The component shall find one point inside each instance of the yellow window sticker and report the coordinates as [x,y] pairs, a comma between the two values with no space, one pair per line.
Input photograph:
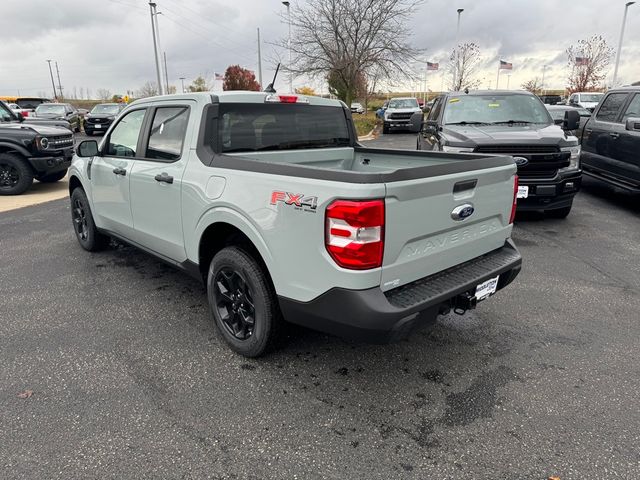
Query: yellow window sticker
[494,105]
[454,100]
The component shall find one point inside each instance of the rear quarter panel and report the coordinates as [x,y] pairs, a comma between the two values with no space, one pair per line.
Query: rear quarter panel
[290,239]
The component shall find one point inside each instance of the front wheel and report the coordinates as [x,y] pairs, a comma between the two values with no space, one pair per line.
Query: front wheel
[243,302]
[53,177]
[15,175]
[559,212]
[84,226]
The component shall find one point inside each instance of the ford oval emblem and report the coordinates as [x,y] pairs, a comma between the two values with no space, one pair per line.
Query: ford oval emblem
[462,211]
[521,161]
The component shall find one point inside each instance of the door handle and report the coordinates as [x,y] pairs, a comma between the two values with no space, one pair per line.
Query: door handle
[164,178]
[614,134]
[119,171]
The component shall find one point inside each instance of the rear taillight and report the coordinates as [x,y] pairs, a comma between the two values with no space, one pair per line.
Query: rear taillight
[285,99]
[515,199]
[355,233]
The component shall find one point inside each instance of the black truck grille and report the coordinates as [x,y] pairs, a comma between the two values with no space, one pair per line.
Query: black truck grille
[400,116]
[543,161]
[63,141]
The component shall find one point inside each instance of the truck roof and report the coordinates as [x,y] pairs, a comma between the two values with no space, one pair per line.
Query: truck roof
[237,96]
[490,92]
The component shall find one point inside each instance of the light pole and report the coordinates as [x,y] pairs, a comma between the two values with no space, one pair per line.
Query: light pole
[152,8]
[544,70]
[182,79]
[624,20]
[508,80]
[455,65]
[288,5]
[53,84]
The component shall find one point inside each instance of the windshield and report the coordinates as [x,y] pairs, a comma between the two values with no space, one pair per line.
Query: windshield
[403,103]
[106,109]
[48,109]
[495,109]
[5,113]
[590,97]
[252,127]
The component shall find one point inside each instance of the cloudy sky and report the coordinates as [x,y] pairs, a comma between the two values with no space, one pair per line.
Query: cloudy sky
[107,43]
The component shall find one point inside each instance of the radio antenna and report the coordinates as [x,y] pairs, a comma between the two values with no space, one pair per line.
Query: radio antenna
[270,88]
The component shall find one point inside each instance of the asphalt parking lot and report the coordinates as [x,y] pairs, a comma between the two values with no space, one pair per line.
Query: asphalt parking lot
[125,377]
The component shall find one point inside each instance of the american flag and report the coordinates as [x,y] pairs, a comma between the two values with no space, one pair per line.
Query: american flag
[582,61]
[505,65]
[219,77]
[432,66]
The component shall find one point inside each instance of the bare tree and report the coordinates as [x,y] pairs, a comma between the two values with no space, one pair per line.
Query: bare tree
[103,94]
[149,89]
[342,40]
[534,85]
[464,61]
[588,63]
[82,92]
[88,93]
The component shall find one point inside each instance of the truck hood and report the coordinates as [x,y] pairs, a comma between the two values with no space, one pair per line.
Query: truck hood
[108,116]
[473,135]
[588,105]
[44,130]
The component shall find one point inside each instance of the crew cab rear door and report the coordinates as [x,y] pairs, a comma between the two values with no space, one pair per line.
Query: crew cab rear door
[156,180]
[424,232]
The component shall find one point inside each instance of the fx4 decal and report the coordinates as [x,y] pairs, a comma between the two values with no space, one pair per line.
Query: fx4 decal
[297,200]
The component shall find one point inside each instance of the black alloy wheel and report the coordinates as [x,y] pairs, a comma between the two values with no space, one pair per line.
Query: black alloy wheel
[9,176]
[79,216]
[234,302]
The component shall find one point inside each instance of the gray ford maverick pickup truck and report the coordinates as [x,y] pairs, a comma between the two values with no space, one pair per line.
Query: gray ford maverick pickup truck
[273,203]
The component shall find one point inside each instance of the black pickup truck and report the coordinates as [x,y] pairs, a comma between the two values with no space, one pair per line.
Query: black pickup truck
[512,123]
[611,140]
[29,151]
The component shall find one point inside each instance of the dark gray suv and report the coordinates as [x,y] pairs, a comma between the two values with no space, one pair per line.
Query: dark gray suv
[611,140]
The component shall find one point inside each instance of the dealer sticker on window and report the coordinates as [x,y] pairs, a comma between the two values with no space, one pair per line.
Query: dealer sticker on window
[523,192]
[487,288]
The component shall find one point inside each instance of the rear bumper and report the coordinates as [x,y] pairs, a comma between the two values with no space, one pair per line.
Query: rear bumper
[550,194]
[379,317]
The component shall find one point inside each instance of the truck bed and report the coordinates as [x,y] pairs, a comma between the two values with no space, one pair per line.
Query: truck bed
[359,164]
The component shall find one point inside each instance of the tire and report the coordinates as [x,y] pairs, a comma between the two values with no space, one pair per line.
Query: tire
[52,177]
[240,293]
[16,175]
[385,128]
[84,226]
[559,212]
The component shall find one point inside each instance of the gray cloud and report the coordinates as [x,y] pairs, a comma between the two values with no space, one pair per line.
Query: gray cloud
[107,44]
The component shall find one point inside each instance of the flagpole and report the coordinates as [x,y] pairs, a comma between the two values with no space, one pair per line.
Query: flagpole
[498,78]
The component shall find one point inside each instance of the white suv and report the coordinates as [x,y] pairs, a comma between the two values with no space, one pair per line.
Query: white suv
[398,113]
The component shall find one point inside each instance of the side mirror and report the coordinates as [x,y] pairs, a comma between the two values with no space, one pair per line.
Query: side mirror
[633,124]
[416,122]
[87,148]
[571,120]
[430,127]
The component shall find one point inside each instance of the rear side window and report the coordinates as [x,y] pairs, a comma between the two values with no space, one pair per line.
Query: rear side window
[253,127]
[633,110]
[611,106]
[123,140]
[167,133]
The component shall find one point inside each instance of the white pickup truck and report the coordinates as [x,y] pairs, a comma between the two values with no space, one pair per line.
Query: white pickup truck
[273,203]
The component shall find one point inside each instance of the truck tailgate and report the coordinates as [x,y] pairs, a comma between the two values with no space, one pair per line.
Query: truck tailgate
[421,235]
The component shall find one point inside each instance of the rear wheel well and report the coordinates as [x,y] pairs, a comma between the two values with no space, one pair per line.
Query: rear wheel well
[220,235]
